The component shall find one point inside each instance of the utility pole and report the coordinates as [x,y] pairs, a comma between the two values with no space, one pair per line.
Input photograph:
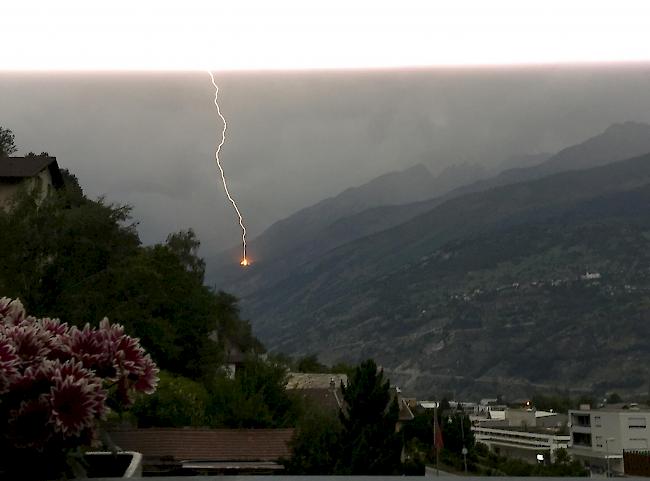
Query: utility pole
[607,455]
[462,435]
[435,435]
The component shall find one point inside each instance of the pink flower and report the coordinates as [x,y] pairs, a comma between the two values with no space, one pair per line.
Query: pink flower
[112,332]
[129,356]
[75,405]
[54,378]
[91,348]
[11,311]
[35,380]
[8,364]
[53,326]
[31,343]
[148,380]
[29,424]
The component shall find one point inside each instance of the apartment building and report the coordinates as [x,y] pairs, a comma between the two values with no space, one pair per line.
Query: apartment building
[528,446]
[599,437]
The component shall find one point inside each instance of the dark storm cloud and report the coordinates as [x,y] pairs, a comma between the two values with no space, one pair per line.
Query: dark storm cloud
[295,138]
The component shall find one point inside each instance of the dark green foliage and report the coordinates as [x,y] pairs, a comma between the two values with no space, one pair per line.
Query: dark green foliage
[457,432]
[177,402]
[614,398]
[256,398]
[362,441]
[310,364]
[80,260]
[420,428]
[561,403]
[185,246]
[489,463]
[551,402]
[315,448]
[7,142]
[369,444]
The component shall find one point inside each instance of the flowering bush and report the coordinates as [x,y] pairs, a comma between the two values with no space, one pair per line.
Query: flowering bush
[57,381]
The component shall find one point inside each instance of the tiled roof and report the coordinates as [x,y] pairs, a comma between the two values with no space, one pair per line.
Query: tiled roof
[304,380]
[194,444]
[327,399]
[24,166]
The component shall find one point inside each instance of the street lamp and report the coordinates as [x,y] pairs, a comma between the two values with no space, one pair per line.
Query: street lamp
[607,455]
[462,434]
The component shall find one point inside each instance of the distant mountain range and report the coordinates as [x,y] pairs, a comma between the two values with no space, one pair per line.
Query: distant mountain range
[395,198]
[479,289]
[326,224]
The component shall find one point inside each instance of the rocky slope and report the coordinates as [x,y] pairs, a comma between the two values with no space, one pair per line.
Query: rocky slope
[485,291]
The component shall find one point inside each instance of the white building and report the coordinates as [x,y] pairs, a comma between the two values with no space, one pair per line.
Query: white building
[524,445]
[600,436]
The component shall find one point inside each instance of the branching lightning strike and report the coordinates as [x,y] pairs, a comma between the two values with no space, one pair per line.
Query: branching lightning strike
[244,260]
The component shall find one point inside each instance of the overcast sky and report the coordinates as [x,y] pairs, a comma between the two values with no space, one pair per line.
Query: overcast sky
[296,138]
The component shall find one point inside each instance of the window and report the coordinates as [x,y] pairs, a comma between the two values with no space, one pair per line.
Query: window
[599,441]
[638,443]
[597,422]
[637,423]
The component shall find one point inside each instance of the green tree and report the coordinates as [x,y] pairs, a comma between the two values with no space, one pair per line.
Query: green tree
[185,246]
[81,260]
[177,402]
[7,142]
[614,398]
[310,364]
[369,443]
[255,398]
[457,432]
[315,448]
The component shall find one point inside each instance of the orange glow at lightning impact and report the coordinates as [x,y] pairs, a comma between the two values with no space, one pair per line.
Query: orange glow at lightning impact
[244,262]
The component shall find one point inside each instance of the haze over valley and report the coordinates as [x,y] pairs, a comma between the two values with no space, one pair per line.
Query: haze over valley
[439,221]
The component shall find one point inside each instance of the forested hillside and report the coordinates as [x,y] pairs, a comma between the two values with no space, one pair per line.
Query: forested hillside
[81,260]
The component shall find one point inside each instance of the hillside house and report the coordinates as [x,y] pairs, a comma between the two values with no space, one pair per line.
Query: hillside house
[38,173]
[322,390]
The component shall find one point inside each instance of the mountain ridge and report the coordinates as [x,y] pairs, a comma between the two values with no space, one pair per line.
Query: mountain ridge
[346,228]
[340,300]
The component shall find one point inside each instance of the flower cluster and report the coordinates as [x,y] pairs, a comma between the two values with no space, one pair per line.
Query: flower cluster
[56,380]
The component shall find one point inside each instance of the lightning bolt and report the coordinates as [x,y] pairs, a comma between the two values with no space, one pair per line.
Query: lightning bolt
[244,260]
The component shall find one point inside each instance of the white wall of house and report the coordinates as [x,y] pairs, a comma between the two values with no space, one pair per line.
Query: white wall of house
[41,181]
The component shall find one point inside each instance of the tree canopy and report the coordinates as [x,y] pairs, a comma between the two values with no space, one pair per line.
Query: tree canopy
[81,260]
[7,142]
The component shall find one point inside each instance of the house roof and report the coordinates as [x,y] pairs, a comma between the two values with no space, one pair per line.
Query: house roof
[326,399]
[405,413]
[22,167]
[196,444]
[308,380]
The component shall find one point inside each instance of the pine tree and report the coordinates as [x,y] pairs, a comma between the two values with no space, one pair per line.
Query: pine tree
[369,443]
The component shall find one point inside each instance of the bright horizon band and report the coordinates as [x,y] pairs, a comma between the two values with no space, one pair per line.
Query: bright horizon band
[175,35]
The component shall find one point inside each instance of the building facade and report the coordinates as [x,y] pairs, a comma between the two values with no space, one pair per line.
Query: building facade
[600,437]
[37,174]
[525,445]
